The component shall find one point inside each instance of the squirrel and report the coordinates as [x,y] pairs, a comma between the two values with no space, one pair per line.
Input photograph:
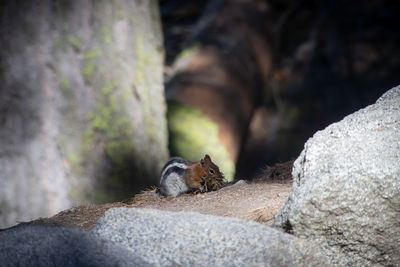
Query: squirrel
[180,176]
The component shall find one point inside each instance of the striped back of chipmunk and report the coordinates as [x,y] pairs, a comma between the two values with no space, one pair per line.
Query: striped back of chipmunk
[171,178]
[176,165]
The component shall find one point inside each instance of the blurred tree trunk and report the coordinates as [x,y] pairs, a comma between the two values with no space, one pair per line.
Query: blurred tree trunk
[217,81]
[82,112]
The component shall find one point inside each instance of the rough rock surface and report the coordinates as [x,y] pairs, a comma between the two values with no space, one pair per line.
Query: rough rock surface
[36,245]
[346,188]
[191,239]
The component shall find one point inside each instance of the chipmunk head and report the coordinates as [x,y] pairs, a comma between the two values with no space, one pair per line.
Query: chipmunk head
[214,179]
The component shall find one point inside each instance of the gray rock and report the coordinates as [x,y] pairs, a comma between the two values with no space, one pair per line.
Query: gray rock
[192,239]
[37,245]
[346,190]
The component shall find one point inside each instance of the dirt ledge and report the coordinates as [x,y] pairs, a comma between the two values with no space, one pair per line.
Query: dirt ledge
[257,200]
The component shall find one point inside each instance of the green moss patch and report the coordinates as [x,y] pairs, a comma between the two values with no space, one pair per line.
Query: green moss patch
[189,52]
[75,42]
[89,63]
[192,135]
[111,127]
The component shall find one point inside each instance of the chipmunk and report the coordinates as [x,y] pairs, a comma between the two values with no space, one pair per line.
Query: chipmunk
[180,176]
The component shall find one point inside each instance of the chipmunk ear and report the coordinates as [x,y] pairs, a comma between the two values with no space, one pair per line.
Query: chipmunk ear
[202,162]
[207,157]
